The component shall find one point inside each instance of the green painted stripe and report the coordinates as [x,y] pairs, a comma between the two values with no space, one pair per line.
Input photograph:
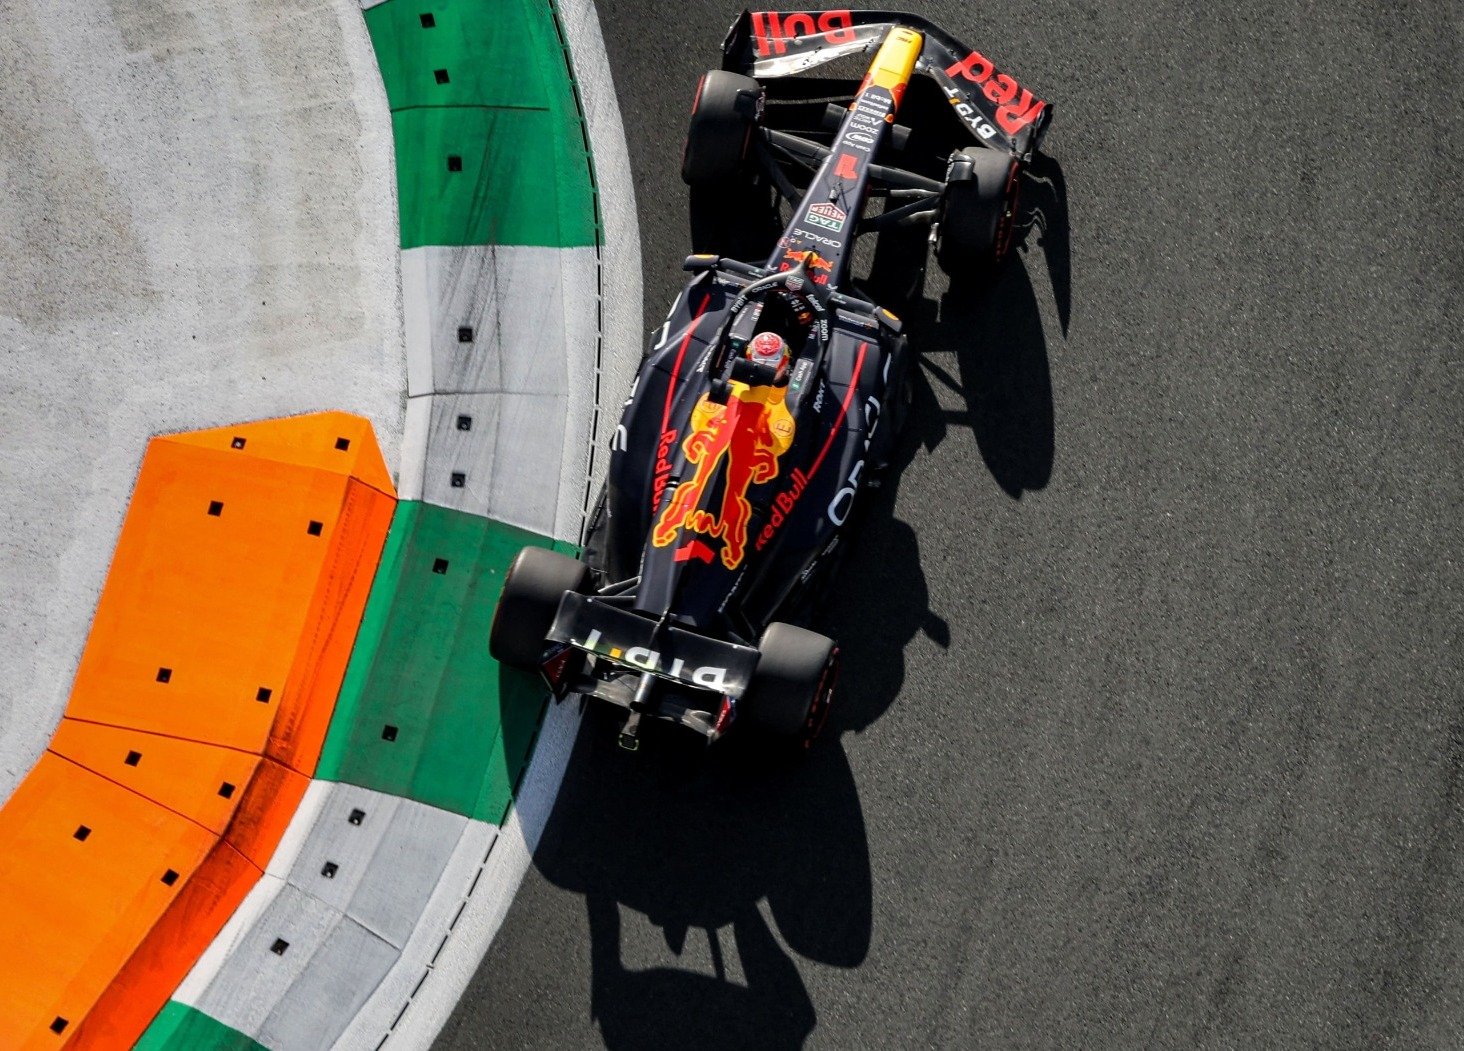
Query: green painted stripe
[463,726]
[506,110]
[179,1027]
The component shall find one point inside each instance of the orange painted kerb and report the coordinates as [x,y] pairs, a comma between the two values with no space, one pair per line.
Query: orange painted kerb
[195,720]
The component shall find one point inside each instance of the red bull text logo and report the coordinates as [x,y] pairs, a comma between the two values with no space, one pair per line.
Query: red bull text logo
[818,267]
[751,432]
[1016,107]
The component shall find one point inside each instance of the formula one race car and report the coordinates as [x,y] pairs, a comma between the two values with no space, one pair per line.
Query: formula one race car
[772,395]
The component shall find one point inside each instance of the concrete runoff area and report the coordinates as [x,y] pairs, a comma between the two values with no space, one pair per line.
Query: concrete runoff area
[199,229]
[1148,731]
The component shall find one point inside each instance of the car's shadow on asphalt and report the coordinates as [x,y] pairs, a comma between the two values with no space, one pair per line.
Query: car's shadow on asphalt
[762,860]
[984,343]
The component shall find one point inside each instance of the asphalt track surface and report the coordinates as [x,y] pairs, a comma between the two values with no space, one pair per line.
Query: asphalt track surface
[1151,730]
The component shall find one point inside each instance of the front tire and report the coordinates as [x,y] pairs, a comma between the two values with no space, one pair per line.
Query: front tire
[722,118]
[532,590]
[793,686]
[978,213]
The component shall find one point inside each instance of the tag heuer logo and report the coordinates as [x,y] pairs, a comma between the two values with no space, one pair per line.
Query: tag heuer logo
[829,216]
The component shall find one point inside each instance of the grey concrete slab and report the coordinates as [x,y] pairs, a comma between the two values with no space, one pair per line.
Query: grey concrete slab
[363,891]
[380,871]
[298,974]
[504,350]
[502,317]
[343,973]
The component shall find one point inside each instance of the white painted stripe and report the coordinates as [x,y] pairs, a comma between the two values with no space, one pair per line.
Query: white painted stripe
[622,334]
[222,949]
[417,313]
[464,877]
[526,307]
[271,988]
[418,426]
[502,340]
[307,814]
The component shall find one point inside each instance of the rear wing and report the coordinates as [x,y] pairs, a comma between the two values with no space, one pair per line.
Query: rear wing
[998,111]
[667,651]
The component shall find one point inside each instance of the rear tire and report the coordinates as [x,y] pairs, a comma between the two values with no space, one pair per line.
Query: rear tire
[532,590]
[722,118]
[793,685]
[978,212]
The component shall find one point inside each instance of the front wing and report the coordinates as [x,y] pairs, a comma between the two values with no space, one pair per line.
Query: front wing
[998,111]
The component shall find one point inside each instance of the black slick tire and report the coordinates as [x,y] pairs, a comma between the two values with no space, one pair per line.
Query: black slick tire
[532,590]
[722,117]
[789,696]
[978,212]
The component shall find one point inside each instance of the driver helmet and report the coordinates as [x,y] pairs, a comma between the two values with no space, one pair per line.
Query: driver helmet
[769,348]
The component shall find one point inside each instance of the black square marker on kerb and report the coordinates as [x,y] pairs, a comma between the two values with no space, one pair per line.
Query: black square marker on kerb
[427,20]
[329,870]
[226,790]
[81,833]
[343,444]
[388,732]
[440,75]
[439,565]
[465,423]
[59,1024]
[215,508]
[465,333]
[454,163]
[133,758]
[357,816]
[237,443]
[164,674]
[170,877]
[459,479]
[314,528]
[279,946]
[262,694]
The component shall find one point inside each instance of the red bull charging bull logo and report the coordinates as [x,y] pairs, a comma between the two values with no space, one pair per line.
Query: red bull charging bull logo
[751,432]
